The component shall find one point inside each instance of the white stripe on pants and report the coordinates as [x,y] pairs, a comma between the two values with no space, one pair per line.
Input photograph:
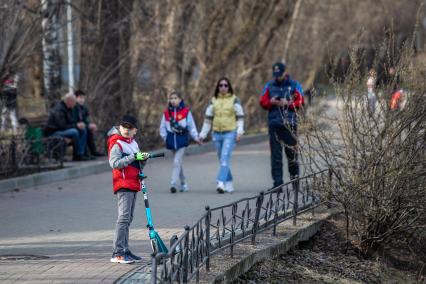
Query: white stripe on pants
[177,172]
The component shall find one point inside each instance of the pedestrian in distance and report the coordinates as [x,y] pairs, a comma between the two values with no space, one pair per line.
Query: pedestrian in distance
[226,116]
[398,99]
[371,93]
[126,161]
[281,98]
[176,127]
[397,94]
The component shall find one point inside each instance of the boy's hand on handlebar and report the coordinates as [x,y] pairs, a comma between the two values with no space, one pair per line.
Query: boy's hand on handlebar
[141,156]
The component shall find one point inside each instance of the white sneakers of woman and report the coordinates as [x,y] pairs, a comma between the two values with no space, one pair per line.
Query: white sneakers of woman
[223,187]
[229,187]
[220,187]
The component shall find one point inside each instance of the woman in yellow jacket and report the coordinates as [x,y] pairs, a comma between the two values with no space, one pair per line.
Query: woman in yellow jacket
[225,114]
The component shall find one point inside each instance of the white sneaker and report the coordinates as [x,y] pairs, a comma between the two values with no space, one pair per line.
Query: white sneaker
[122,259]
[229,187]
[220,188]
[183,187]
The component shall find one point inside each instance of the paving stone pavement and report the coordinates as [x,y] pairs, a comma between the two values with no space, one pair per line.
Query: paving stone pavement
[62,232]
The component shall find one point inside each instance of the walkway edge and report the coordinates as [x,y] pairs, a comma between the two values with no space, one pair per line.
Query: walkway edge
[267,247]
[96,167]
[18,183]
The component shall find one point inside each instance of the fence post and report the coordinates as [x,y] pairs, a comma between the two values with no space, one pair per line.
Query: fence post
[62,152]
[154,269]
[277,209]
[208,237]
[233,222]
[295,184]
[329,188]
[259,203]
[313,198]
[186,257]
[13,154]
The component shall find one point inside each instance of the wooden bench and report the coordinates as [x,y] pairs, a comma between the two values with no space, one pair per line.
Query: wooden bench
[39,121]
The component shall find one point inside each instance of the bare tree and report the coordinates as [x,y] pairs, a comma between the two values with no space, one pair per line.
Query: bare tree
[376,156]
[18,25]
[187,46]
[51,49]
[147,48]
[105,58]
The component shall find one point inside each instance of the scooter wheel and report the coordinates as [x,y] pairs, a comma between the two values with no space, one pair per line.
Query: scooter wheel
[154,246]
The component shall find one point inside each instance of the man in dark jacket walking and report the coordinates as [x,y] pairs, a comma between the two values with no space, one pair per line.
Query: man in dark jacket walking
[282,98]
[61,122]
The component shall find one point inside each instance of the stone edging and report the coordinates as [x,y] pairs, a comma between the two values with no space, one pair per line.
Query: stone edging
[267,247]
[96,167]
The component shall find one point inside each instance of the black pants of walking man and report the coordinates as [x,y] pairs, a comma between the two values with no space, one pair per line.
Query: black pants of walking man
[279,137]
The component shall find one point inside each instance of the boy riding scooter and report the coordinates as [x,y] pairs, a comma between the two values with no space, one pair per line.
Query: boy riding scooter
[124,159]
[127,163]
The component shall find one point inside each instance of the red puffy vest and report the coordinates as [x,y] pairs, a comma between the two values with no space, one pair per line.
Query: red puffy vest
[126,177]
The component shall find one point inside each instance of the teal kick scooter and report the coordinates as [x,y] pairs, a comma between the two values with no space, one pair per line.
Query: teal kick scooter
[157,245]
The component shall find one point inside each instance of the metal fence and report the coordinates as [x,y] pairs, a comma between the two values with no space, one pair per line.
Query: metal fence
[20,155]
[223,227]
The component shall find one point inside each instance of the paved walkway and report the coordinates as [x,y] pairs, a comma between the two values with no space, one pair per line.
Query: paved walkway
[62,232]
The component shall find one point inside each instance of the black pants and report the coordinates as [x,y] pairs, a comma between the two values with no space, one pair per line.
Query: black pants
[91,142]
[280,136]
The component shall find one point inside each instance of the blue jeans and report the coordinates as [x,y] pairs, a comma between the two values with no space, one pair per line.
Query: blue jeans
[225,142]
[79,139]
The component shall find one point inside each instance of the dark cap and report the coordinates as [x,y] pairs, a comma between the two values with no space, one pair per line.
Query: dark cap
[129,120]
[278,69]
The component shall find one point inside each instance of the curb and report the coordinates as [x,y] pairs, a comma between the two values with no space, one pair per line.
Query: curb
[15,184]
[97,167]
[274,247]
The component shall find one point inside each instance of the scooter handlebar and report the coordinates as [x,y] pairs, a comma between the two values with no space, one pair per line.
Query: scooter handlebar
[156,155]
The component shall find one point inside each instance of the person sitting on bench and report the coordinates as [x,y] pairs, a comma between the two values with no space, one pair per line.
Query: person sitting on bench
[82,114]
[61,122]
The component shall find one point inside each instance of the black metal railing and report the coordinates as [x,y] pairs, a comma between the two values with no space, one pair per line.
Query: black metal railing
[21,156]
[225,226]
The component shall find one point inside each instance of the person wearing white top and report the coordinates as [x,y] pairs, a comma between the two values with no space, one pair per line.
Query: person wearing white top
[226,116]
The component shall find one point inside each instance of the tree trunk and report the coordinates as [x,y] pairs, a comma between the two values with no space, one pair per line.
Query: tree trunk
[105,57]
[51,53]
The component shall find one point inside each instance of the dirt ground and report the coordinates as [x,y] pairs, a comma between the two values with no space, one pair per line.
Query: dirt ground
[322,260]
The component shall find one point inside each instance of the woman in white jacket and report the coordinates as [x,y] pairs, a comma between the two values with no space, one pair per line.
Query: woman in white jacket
[226,116]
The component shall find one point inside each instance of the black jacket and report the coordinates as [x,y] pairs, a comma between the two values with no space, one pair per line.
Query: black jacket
[81,113]
[60,118]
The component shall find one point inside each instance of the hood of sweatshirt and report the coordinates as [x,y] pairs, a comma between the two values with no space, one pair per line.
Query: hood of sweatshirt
[114,135]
